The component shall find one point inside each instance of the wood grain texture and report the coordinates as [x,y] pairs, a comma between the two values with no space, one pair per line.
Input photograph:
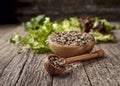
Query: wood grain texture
[20,67]
[33,73]
[4,29]
[99,73]
[75,76]
[4,40]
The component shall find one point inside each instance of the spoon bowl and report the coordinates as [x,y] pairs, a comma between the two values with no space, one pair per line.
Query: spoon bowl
[50,68]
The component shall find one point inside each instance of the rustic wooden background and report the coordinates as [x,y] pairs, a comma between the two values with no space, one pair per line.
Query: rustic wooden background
[14,11]
[58,9]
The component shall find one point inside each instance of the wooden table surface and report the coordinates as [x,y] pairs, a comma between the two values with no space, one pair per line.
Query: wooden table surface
[19,67]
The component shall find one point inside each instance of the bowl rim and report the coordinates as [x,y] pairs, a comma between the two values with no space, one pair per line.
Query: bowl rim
[50,41]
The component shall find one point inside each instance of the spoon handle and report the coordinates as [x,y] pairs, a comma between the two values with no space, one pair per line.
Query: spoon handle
[84,57]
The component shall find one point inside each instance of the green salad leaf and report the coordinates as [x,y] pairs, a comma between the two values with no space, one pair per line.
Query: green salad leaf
[34,23]
[15,38]
[99,37]
[40,27]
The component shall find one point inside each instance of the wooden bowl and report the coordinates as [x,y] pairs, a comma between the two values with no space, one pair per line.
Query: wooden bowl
[68,51]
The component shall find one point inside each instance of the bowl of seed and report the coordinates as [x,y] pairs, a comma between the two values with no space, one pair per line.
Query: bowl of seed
[71,43]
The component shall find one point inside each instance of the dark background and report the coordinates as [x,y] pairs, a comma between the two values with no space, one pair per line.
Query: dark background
[7,11]
[17,11]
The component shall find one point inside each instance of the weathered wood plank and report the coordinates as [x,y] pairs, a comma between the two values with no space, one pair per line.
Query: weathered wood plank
[111,66]
[117,35]
[12,72]
[8,51]
[96,70]
[4,41]
[7,36]
[7,47]
[26,68]
[4,29]
[7,58]
[100,73]
[6,55]
[75,76]
[34,74]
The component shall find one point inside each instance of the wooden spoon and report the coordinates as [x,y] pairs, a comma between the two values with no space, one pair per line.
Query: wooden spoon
[52,69]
